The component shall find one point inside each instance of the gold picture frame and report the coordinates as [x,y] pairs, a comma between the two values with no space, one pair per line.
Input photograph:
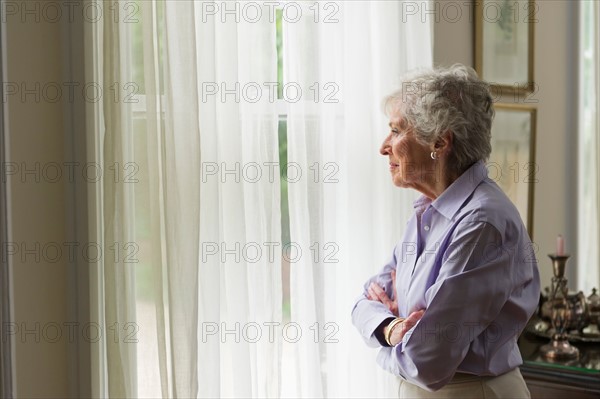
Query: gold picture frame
[512,163]
[504,45]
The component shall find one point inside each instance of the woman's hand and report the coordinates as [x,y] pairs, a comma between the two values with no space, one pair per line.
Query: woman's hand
[401,329]
[376,293]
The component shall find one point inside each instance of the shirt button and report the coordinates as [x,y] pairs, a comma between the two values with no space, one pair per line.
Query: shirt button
[426,228]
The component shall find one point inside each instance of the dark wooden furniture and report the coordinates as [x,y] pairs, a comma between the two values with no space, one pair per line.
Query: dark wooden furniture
[565,380]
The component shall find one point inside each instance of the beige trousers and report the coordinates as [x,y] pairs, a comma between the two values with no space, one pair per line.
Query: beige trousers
[462,386]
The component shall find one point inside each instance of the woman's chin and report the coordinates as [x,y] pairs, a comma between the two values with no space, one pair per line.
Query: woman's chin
[399,182]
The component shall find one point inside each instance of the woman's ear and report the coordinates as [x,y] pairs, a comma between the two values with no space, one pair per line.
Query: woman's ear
[444,142]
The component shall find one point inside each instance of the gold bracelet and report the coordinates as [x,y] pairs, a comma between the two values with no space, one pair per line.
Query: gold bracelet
[390,328]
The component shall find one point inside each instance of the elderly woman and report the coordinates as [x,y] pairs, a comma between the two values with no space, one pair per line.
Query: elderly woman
[448,307]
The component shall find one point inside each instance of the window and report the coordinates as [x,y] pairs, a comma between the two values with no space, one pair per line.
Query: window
[145,283]
[171,132]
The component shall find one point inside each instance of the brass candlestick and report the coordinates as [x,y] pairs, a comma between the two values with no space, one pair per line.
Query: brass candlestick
[559,347]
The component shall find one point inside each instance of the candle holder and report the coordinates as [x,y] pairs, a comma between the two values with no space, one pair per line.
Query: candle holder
[559,347]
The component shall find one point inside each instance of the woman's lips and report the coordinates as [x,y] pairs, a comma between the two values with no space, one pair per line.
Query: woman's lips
[393,165]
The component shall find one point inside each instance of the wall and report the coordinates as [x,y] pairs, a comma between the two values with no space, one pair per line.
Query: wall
[36,129]
[555,72]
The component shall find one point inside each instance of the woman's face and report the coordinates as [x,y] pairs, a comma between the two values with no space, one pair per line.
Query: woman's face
[410,160]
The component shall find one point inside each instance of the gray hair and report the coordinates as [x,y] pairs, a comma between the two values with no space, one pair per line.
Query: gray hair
[434,101]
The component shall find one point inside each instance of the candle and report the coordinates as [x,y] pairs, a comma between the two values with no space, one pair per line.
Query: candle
[560,245]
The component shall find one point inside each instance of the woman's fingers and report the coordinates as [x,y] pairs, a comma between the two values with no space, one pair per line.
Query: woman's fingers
[371,294]
[378,294]
[414,317]
[406,325]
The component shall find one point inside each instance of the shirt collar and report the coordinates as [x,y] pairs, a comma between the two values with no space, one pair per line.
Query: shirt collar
[421,203]
[450,201]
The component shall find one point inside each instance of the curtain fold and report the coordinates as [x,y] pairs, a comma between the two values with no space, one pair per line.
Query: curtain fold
[152,17]
[240,209]
[181,194]
[118,218]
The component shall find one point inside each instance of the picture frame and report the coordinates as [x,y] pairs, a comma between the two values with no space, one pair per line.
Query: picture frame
[504,45]
[512,163]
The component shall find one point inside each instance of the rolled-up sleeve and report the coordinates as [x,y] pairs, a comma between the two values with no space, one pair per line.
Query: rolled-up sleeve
[367,315]
[482,279]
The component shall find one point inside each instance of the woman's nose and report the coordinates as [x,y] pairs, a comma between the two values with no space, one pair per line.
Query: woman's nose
[385,146]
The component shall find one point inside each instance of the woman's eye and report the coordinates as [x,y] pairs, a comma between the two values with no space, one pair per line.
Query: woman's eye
[395,132]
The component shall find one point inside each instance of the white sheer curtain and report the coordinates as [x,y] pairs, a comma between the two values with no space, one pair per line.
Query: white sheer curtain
[238,210]
[194,297]
[348,210]
[189,138]
[589,148]
[116,216]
